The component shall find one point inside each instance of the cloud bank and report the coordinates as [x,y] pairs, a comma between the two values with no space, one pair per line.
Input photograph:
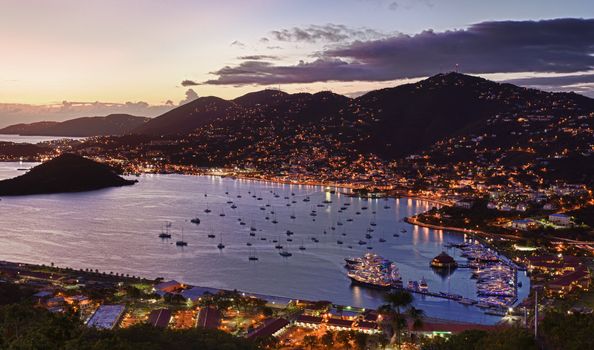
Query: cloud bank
[552,46]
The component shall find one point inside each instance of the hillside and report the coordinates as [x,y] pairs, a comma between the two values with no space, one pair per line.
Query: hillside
[188,117]
[391,123]
[113,124]
[66,173]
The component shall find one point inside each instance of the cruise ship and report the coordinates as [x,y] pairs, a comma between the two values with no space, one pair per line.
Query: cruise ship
[373,271]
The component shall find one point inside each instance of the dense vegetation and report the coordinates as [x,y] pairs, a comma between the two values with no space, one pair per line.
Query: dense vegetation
[26,327]
[66,173]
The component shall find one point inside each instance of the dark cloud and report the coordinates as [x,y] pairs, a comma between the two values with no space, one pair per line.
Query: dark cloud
[324,33]
[563,80]
[582,83]
[188,83]
[191,95]
[258,57]
[237,43]
[559,45]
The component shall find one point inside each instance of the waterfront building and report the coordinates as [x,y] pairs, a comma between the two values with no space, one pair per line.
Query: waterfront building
[443,260]
[524,224]
[106,316]
[159,318]
[309,322]
[560,219]
[273,327]
[209,318]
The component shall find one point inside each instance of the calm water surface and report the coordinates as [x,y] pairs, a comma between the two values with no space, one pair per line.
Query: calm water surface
[33,139]
[116,230]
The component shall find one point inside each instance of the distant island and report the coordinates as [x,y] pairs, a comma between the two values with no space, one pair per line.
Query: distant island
[111,125]
[65,173]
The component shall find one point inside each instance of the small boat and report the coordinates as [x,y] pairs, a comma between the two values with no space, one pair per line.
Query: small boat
[211,236]
[382,240]
[368,236]
[207,210]
[361,242]
[195,221]
[285,254]
[248,244]
[181,243]
[339,242]
[278,246]
[396,235]
[289,232]
[221,245]
[233,206]
[423,287]
[403,230]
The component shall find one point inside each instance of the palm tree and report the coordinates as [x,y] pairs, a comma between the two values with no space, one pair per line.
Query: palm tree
[328,339]
[344,338]
[310,341]
[416,315]
[396,303]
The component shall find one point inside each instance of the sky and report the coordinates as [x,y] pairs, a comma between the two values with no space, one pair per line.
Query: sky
[67,58]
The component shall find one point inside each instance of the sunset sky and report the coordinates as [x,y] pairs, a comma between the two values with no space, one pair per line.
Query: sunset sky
[65,58]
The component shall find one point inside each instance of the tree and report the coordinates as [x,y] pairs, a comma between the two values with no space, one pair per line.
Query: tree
[360,340]
[344,338]
[327,339]
[310,341]
[396,302]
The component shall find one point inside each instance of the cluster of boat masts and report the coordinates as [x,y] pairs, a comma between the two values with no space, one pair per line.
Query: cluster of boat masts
[271,216]
[496,280]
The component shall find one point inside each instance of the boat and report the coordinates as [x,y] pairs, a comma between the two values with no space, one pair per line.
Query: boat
[373,271]
[233,206]
[248,244]
[221,245]
[403,230]
[423,287]
[368,236]
[339,242]
[285,254]
[381,240]
[362,242]
[278,246]
[181,243]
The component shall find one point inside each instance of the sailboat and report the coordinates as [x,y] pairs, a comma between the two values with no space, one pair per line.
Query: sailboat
[253,256]
[301,247]
[181,243]
[207,210]
[221,245]
[165,233]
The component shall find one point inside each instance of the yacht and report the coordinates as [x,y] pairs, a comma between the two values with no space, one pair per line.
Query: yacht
[181,243]
[285,254]
[423,287]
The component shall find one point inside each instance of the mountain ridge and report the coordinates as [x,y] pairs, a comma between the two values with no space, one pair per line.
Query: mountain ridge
[112,124]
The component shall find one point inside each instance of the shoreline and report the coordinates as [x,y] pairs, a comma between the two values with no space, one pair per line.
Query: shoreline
[273,299]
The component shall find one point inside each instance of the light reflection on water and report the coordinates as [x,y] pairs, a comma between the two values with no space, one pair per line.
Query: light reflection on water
[116,230]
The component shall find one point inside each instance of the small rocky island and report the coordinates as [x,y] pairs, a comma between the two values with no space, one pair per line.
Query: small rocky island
[65,173]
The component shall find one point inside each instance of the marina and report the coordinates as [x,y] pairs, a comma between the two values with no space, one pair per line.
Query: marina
[314,269]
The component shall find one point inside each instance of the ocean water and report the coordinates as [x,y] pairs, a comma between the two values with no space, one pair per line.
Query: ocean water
[117,230]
